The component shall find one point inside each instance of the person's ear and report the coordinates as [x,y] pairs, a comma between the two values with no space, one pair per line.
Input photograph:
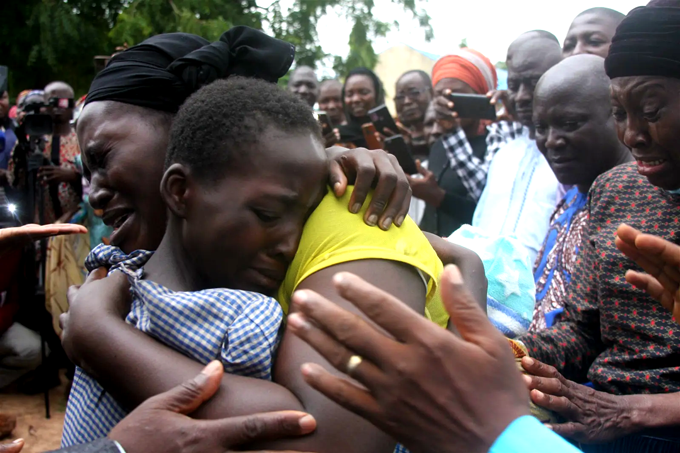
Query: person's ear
[176,189]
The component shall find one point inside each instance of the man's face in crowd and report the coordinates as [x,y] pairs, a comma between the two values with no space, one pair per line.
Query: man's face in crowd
[574,126]
[431,127]
[59,90]
[4,104]
[590,33]
[529,57]
[330,101]
[304,84]
[412,98]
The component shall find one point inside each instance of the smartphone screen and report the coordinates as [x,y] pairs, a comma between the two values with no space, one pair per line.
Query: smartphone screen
[382,119]
[372,141]
[397,146]
[475,106]
[325,122]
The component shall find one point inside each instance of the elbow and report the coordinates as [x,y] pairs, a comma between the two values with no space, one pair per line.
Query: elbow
[472,269]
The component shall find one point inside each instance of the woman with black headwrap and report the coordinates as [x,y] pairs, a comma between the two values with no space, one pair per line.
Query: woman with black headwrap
[613,334]
[361,92]
[123,131]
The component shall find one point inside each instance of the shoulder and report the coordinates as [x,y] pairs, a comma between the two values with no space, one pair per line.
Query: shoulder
[618,178]
[215,306]
[333,235]
[618,186]
[239,300]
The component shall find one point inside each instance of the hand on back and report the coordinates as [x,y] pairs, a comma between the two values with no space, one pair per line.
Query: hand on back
[428,388]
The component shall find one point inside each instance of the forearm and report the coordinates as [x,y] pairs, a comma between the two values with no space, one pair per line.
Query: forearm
[657,411]
[472,270]
[468,262]
[133,367]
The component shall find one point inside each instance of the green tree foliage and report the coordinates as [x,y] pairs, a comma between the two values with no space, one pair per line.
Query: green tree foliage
[45,40]
[140,19]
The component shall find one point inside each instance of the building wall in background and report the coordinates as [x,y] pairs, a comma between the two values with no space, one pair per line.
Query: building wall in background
[394,62]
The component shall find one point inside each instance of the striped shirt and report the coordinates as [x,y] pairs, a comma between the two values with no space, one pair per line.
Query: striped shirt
[239,328]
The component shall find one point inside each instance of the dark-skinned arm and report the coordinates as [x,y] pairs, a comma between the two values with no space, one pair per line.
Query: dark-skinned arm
[148,368]
[468,262]
[339,430]
[133,367]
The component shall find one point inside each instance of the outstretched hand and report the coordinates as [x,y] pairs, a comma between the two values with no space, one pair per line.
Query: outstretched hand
[367,169]
[428,388]
[160,424]
[661,261]
[16,237]
[14,447]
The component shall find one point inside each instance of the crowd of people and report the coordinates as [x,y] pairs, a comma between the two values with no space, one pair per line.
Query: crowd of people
[257,261]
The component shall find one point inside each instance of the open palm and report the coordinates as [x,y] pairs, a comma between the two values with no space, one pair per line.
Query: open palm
[661,261]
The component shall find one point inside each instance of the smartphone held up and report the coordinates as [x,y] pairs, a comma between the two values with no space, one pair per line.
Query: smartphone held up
[473,106]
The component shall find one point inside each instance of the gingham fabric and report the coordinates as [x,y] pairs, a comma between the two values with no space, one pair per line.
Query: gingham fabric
[470,169]
[239,328]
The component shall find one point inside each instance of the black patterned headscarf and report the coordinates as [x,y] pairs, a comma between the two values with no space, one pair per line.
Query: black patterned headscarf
[646,43]
[164,70]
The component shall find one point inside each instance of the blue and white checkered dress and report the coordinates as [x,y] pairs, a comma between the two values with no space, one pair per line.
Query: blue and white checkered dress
[239,328]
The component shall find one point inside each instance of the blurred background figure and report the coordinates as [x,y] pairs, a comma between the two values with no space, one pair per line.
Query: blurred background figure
[304,84]
[362,92]
[413,96]
[330,101]
[592,32]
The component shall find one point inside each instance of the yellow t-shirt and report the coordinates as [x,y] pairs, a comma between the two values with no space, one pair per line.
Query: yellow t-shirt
[333,235]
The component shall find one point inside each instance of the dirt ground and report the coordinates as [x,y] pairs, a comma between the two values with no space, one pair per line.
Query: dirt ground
[40,434]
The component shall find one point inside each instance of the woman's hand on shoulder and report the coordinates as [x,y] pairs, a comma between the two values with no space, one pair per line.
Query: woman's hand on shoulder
[368,169]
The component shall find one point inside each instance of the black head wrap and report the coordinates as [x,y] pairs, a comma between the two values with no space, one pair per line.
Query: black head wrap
[352,132]
[164,70]
[646,43]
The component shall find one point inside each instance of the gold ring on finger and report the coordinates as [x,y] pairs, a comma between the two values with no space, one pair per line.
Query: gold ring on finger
[353,363]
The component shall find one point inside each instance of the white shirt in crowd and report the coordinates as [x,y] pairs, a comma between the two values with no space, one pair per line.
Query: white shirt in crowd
[519,196]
